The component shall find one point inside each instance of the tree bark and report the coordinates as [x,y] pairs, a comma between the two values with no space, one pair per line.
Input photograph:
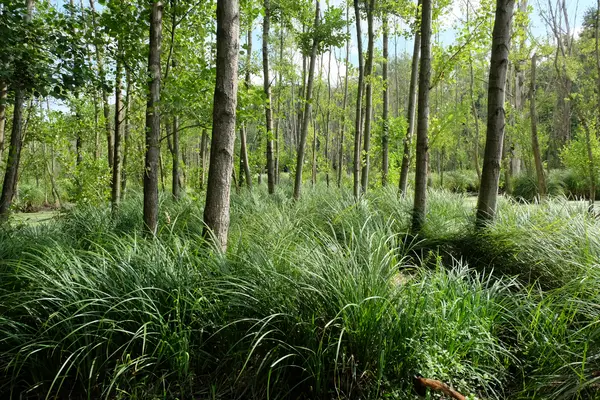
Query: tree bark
[386,100]
[153,121]
[488,191]
[176,184]
[359,92]
[420,200]
[16,138]
[539,168]
[127,129]
[116,168]
[244,165]
[216,210]
[307,109]
[203,151]
[412,102]
[3,100]
[366,164]
[267,89]
[105,108]
[344,104]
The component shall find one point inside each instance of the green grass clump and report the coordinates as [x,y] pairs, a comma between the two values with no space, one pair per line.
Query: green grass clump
[325,298]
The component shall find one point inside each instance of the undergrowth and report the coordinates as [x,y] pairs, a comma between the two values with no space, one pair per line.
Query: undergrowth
[323,298]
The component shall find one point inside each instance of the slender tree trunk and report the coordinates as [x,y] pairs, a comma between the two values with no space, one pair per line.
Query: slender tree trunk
[267,89]
[386,99]
[127,129]
[420,201]
[176,184]
[344,103]
[216,210]
[307,109]
[488,192]
[16,138]
[14,154]
[359,92]
[278,114]
[537,156]
[244,165]
[327,119]
[412,102]
[116,169]
[153,121]
[106,110]
[3,100]
[203,151]
[368,98]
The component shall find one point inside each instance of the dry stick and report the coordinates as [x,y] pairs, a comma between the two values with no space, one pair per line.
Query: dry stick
[421,384]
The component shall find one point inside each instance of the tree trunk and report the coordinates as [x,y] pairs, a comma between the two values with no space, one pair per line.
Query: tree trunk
[267,89]
[153,121]
[127,129]
[386,99]
[359,92]
[14,154]
[3,100]
[369,98]
[327,118]
[488,192]
[412,102]
[106,110]
[216,210]
[344,103]
[539,168]
[307,109]
[116,169]
[203,151]
[176,184]
[244,165]
[420,201]
[16,138]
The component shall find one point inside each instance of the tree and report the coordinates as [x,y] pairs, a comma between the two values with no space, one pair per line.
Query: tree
[153,120]
[267,89]
[386,99]
[412,99]
[359,92]
[307,106]
[16,138]
[535,145]
[368,97]
[216,209]
[420,201]
[490,174]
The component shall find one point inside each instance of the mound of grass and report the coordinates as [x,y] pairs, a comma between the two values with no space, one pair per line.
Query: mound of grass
[320,298]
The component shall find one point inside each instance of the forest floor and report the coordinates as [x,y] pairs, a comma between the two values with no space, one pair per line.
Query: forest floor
[325,298]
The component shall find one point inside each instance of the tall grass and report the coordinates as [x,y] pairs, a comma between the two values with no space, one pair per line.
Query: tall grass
[321,298]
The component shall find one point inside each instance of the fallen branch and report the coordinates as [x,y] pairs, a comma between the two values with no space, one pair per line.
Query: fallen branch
[421,384]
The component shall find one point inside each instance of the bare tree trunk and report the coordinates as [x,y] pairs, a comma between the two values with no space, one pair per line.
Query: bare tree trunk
[3,100]
[267,89]
[488,192]
[153,121]
[307,109]
[369,98]
[386,100]
[359,92]
[216,210]
[16,138]
[539,168]
[344,103]
[176,184]
[412,100]
[327,118]
[203,151]
[116,169]
[106,110]
[127,129]
[278,117]
[420,201]
[244,165]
